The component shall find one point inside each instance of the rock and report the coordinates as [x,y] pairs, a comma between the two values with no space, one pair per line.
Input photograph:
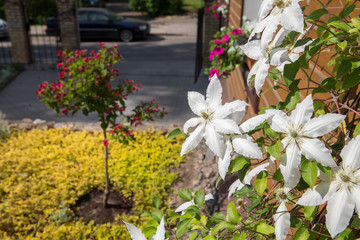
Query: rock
[38,121]
[27,120]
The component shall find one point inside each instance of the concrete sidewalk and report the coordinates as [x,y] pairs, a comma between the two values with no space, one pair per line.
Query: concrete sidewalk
[164,64]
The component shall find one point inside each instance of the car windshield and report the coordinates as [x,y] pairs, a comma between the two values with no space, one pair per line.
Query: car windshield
[115,16]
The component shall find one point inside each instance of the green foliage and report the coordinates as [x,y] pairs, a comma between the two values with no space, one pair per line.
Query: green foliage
[44,173]
[39,10]
[156,7]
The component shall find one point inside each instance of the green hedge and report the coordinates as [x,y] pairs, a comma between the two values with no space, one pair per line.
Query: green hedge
[156,7]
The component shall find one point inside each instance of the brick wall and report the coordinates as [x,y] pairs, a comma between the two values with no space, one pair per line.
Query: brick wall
[18,31]
[69,26]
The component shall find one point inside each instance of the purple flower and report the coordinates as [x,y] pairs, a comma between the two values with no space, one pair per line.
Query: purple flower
[214,71]
[217,42]
[225,38]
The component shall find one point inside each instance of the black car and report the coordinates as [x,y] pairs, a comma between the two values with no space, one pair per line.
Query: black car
[99,23]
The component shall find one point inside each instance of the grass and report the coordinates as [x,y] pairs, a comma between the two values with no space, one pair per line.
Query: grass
[192,5]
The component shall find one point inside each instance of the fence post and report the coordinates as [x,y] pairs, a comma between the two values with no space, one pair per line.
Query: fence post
[69,26]
[18,31]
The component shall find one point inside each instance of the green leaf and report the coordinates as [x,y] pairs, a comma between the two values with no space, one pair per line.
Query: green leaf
[261,182]
[309,171]
[356,131]
[244,191]
[209,237]
[278,176]
[292,99]
[290,71]
[356,223]
[183,227]
[199,198]
[346,235]
[344,68]
[340,25]
[185,194]
[274,150]
[218,180]
[242,172]
[264,228]
[254,204]
[157,215]
[349,10]
[269,132]
[310,212]
[328,83]
[222,225]
[233,214]
[351,79]
[239,236]
[301,234]
[193,235]
[238,163]
[156,202]
[174,133]
[342,44]
[317,14]
[356,22]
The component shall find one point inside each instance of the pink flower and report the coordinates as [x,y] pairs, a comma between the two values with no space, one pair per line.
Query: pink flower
[225,38]
[106,142]
[65,111]
[207,10]
[236,31]
[211,56]
[217,42]
[213,71]
[218,51]
[216,15]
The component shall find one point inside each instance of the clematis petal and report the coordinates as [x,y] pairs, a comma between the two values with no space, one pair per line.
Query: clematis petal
[252,49]
[253,122]
[279,56]
[208,197]
[135,233]
[193,140]
[244,145]
[255,171]
[184,206]
[237,185]
[214,140]
[317,196]
[282,222]
[351,153]
[340,209]
[225,126]
[261,75]
[321,125]
[160,231]
[268,33]
[355,193]
[224,163]
[303,111]
[292,18]
[252,72]
[237,116]
[289,165]
[265,8]
[279,122]
[192,122]
[314,149]
[214,93]
[260,27]
[229,108]
[196,102]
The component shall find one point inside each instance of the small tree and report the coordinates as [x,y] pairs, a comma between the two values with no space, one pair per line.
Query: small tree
[85,85]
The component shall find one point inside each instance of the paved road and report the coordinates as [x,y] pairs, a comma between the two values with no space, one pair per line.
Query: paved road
[164,64]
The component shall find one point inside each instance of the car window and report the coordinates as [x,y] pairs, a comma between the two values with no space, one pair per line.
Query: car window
[94,16]
[82,16]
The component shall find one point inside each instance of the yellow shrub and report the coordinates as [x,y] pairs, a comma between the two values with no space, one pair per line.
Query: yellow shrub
[40,170]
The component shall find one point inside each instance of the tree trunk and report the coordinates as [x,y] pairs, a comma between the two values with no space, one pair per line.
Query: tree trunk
[107,180]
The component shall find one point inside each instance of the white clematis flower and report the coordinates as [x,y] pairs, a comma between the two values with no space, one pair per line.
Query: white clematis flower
[237,185]
[185,205]
[282,215]
[341,191]
[136,234]
[301,134]
[211,122]
[286,13]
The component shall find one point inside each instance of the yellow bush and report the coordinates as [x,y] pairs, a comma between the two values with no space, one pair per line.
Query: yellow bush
[40,170]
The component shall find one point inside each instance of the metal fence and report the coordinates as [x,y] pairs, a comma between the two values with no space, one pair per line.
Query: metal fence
[5,51]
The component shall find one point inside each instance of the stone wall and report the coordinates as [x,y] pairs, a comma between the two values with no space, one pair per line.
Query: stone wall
[18,31]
